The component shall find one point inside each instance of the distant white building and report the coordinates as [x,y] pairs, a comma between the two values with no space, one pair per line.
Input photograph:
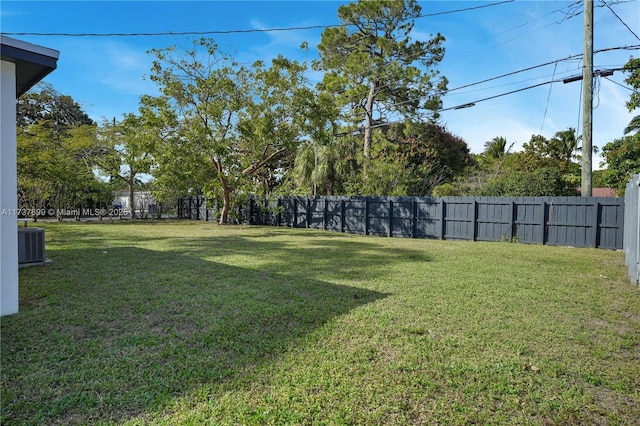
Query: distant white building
[144,205]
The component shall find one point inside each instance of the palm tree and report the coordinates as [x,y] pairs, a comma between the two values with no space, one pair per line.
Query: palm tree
[322,168]
[566,141]
[633,126]
[496,147]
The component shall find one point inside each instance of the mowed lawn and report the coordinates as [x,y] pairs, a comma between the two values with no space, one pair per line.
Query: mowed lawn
[171,323]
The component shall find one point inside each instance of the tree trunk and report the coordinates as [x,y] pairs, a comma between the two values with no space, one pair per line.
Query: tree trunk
[226,203]
[131,199]
[369,121]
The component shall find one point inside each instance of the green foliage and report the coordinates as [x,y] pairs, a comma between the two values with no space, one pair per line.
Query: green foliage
[633,79]
[622,157]
[536,183]
[57,148]
[46,106]
[430,154]
[446,190]
[557,152]
[406,159]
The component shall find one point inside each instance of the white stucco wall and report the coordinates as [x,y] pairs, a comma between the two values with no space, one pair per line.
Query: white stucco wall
[8,191]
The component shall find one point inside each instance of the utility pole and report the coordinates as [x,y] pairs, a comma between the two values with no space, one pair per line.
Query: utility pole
[587,105]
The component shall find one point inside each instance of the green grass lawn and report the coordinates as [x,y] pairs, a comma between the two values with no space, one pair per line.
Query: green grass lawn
[193,323]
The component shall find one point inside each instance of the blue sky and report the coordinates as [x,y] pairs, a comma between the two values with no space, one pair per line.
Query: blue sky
[106,74]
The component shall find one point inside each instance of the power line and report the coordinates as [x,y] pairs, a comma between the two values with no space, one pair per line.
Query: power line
[470,104]
[546,108]
[241,31]
[172,33]
[621,85]
[570,57]
[428,15]
[620,19]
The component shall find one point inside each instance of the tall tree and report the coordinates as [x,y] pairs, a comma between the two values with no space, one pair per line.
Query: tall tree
[128,151]
[232,121]
[375,69]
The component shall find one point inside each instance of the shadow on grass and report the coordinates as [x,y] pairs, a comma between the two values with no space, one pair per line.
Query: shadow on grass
[106,335]
[323,256]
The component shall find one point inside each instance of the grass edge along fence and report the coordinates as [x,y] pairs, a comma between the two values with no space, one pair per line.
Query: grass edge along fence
[570,221]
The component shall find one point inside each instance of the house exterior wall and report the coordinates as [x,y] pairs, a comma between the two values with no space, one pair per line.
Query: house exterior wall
[8,191]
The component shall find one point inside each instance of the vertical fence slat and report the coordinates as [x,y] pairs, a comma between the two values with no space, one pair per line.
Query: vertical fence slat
[414,217]
[543,225]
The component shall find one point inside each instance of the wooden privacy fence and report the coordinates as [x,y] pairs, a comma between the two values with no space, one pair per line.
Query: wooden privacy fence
[571,221]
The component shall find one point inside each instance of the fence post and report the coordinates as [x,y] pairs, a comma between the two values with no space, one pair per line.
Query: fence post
[443,224]
[307,209]
[390,234]
[342,215]
[366,216]
[295,213]
[278,212]
[324,214]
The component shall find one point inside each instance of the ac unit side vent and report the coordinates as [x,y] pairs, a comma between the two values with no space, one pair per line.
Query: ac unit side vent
[30,245]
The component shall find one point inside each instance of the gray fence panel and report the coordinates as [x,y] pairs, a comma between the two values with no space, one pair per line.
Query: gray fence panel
[429,214]
[403,217]
[334,214]
[573,221]
[459,215]
[631,241]
[529,218]
[378,213]
[355,218]
[611,214]
[494,217]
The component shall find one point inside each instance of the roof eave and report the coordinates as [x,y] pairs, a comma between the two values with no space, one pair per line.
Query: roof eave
[33,62]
